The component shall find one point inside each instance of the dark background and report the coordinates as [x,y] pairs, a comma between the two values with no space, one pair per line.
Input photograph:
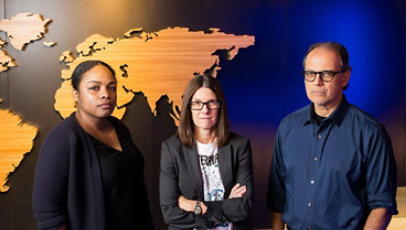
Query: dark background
[262,83]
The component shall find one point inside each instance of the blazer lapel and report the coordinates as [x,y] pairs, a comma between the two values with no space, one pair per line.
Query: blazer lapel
[192,159]
[226,168]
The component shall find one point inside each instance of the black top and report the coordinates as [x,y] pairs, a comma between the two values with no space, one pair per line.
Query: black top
[123,184]
[315,116]
[68,187]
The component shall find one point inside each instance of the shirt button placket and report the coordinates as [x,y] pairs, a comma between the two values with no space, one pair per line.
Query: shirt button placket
[312,181]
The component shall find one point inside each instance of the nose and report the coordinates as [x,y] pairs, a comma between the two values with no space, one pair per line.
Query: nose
[105,93]
[205,109]
[318,80]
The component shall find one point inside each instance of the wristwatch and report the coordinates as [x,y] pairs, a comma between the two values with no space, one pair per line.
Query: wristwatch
[198,209]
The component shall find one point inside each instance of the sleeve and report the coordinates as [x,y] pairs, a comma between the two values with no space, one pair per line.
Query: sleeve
[381,172]
[169,193]
[236,209]
[50,184]
[276,197]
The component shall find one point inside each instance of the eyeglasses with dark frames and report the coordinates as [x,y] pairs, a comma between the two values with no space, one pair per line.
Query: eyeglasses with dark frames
[198,105]
[326,76]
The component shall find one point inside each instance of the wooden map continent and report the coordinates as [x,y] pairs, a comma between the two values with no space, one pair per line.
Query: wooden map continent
[154,64]
[16,139]
[24,28]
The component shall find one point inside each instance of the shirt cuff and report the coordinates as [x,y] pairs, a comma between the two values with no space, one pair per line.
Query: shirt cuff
[383,200]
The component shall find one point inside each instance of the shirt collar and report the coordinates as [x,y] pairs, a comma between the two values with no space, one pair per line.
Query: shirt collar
[336,117]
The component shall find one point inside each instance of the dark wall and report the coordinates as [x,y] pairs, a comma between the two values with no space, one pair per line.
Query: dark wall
[262,83]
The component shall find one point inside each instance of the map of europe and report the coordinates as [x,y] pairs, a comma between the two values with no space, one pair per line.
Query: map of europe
[155,64]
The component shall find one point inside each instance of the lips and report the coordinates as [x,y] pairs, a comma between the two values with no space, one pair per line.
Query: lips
[318,92]
[106,106]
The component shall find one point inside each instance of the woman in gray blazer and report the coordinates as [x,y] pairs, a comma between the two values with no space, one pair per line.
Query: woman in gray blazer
[206,176]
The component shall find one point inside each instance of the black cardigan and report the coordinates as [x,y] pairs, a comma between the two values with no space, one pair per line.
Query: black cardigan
[68,186]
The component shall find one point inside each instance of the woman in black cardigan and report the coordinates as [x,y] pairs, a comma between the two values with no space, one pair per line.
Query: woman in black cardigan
[89,173]
[206,177]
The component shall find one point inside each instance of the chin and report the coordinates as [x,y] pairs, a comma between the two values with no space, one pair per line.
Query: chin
[318,101]
[104,115]
[206,126]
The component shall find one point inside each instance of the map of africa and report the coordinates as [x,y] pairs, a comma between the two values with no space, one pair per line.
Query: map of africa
[154,64]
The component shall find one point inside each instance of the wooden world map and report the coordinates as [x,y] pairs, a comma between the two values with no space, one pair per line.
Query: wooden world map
[154,64]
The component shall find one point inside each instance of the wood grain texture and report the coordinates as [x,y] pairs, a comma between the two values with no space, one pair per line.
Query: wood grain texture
[154,64]
[24,28]
[16,139]
[66,57]
[6,61]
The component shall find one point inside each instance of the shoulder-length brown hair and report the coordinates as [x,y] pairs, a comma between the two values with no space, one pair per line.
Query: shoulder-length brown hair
[186,126]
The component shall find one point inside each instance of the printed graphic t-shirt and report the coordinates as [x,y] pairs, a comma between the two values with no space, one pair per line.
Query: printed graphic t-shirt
[213,187]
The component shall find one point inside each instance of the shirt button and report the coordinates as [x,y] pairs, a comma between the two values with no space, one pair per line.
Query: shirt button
[319,136]
[310,227]
[315,159]
[312,182]
[309,204]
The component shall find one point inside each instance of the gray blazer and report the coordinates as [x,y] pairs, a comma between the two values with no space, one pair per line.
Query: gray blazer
[180,174]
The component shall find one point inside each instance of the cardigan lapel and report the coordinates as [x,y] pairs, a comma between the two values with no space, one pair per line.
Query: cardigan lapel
[193,164]
[226,168]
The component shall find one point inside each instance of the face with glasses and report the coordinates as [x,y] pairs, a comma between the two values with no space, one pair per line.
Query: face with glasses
[205,107]
[324,80]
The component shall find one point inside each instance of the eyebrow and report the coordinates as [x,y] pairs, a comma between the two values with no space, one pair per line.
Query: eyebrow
[98,82]
[212,99]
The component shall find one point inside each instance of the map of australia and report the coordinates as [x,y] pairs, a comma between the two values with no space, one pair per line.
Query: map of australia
[154,64]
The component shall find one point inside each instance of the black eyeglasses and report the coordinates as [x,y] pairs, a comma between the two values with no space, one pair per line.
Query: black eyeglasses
[198,105]
[325,76]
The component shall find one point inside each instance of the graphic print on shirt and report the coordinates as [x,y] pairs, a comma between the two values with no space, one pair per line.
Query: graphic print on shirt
[213,184]
[213,187]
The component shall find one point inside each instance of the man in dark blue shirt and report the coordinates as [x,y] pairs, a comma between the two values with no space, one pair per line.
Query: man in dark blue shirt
[333,165]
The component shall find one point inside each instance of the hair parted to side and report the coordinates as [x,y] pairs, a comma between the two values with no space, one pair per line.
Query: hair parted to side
[186,127]
[83,68]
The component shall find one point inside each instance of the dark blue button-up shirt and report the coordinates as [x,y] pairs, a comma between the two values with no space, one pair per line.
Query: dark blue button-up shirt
[331,175]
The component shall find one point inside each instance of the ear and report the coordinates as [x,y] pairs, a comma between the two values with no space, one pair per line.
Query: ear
[75,95]
[346,78]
